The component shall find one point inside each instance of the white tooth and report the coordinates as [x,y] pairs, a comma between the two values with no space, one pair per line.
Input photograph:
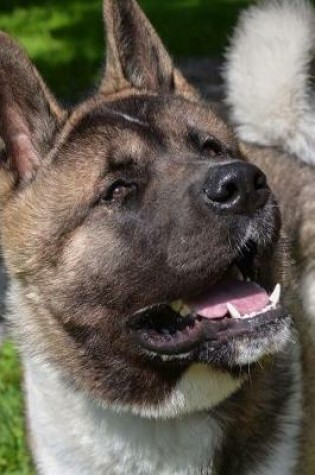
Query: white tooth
[275,296]
[185,311]
[233,311]
[177,306]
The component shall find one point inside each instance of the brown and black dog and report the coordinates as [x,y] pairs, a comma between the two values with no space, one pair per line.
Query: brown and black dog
[146,258]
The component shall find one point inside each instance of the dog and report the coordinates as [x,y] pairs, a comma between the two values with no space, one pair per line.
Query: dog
[146,260]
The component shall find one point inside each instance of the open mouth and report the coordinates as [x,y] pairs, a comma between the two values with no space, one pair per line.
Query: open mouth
[235,308]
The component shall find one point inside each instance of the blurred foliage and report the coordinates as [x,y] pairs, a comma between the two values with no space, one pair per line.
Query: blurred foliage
[14,457]
[66,41]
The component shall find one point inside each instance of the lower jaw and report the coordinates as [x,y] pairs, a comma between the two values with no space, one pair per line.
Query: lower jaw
[228,344]
[238,354]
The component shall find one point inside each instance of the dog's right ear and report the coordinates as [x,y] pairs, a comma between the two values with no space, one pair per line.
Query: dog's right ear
[29,115]
[135,56]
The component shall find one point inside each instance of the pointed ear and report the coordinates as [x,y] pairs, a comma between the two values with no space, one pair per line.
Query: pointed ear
[29,115]
[136,57]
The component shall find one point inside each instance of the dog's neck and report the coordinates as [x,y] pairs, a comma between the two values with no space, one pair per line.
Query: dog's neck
[75,435]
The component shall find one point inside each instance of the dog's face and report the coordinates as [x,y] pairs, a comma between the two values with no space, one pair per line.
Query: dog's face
[139,241]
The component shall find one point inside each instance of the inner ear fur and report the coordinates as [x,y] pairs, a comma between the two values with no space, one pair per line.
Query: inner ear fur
[136,57]
[29,114]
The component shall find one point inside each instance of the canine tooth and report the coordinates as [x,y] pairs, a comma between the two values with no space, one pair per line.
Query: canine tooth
[177,305]
[275,296]
[233,311]
[185,311]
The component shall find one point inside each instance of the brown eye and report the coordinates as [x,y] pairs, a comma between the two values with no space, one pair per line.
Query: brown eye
[207,144]
[212,147]
[119,192]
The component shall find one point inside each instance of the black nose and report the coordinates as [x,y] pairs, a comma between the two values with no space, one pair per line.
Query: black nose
[236,187]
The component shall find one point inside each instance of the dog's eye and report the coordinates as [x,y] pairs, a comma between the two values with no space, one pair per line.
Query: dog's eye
[212,147]
[207,144]
[119,192]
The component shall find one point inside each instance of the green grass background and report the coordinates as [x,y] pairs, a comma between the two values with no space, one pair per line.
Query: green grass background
[65,40]
[14,457]
[65,37]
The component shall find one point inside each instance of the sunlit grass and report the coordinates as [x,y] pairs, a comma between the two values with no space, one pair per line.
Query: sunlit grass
[66,38]
[14,456]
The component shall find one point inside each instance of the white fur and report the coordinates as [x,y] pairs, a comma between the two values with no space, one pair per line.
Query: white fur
[72,434]
[201,388]
[268,76]
[247,352]
[129,118]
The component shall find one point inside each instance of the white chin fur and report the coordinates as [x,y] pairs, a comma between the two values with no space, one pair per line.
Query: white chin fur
[268,77]
[201,388]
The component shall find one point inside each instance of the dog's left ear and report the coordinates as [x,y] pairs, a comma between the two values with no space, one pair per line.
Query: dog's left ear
[136,57]
[29,114]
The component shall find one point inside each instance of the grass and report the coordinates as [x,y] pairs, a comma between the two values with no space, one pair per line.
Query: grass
[14,457]
[66,41]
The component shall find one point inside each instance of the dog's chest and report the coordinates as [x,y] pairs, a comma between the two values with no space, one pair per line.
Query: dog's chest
[74,436]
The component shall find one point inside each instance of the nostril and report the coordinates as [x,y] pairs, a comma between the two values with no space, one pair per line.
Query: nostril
[225,192]
[260,181]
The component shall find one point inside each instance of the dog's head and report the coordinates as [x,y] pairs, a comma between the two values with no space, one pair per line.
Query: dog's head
[142,246]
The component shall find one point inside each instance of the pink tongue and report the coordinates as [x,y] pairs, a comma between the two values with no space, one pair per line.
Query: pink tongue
[247,297]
